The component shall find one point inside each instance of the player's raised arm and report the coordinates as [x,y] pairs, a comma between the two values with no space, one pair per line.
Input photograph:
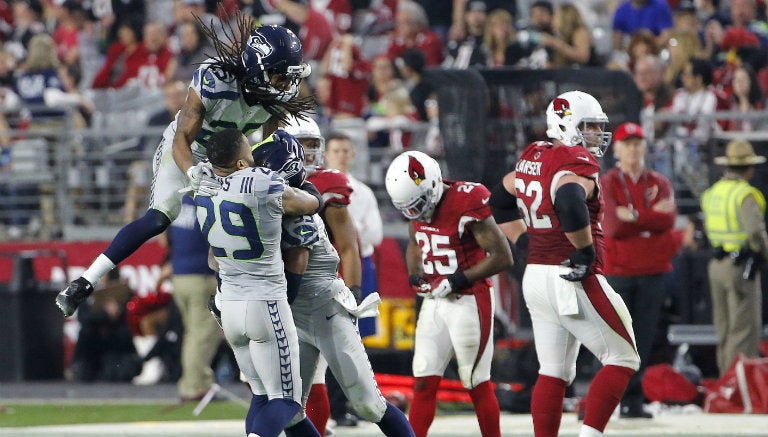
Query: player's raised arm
[190,120]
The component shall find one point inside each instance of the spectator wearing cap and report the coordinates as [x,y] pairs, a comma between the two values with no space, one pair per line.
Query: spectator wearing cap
[734,221]
[684,16]
[639,217]
[468,51]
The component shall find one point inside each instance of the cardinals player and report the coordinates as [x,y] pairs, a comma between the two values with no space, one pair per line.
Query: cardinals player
[336,191]
[454,247]
[554,194]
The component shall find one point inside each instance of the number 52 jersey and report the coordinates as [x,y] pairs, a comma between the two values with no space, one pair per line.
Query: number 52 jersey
[447,245]
[537,173]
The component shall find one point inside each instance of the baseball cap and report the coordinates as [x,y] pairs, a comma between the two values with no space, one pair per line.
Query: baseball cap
[686,6]
[626,130]
[475,5]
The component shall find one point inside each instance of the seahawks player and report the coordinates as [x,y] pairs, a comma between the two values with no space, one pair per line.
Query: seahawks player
[253,80]
[325,312]
[242,223]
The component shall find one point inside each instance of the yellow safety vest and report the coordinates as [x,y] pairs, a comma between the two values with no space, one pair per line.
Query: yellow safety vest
[720,204]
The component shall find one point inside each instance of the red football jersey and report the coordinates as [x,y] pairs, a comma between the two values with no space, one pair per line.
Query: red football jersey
[536,174]
[447,245]
[333,185]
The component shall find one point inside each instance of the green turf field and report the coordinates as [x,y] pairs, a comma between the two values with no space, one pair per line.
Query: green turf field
[34,414]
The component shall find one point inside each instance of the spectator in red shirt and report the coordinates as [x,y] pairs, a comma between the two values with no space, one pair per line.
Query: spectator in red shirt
[130,60]
[120,54]
[639,216]
[350,77]
[412,31]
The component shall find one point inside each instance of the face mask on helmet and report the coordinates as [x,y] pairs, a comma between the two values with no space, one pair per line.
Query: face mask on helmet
[415,185]
[273,62]
[308,133]
[576,118]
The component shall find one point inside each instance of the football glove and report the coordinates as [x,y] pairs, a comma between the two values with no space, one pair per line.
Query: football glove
[580,262]
[202,182]
[419,285]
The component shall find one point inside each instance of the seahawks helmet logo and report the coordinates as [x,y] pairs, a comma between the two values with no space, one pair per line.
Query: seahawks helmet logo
[260,45]
[416,170]
[562,107]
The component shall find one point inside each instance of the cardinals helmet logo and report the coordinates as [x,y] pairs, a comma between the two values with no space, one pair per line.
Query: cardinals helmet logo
[562,107]
[415,170]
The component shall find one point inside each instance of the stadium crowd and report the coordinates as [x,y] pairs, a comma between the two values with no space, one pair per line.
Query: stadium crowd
[687,58]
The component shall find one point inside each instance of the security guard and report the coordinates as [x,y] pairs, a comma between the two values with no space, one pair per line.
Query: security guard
[734,214]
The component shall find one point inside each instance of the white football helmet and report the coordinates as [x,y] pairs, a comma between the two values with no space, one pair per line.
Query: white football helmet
[415,184]
[567,118]
[308,133]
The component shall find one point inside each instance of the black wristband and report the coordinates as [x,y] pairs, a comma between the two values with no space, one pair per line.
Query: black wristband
[585,255]
[522,242]
[415,280]
[458,281]
[310,188]
[357,292]
[294,282]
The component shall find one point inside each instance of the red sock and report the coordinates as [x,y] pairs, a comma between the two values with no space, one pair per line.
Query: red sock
[547,405]
[605,392]
[422,411]
[487,409]
[318,407]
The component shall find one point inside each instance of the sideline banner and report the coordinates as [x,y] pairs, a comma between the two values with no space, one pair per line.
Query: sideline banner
[142,269]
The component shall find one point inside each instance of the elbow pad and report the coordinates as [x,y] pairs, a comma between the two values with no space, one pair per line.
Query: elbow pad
[571,207]
[294,282]
[503,205]
[310,188]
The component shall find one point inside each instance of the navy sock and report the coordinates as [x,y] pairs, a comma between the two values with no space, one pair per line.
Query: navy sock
[305,428]
[136,233]
[257,403]
[273,417]
[394,423]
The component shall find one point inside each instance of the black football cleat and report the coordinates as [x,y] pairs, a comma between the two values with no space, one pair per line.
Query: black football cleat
[71,297]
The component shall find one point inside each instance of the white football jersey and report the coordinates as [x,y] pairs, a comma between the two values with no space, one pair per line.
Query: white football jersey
[242,223]
[224,106]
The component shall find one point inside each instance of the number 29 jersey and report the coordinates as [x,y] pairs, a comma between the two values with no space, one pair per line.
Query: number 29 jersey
[446,242]
[243,225]
[537,173]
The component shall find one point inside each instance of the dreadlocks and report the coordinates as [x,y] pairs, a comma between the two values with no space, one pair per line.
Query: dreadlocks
[229,47]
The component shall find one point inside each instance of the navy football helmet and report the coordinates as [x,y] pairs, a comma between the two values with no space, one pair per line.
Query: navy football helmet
[282,153]
[273,62]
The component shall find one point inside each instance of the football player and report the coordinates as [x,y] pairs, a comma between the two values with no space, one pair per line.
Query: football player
[325,310]
[253,81]
[553,197]
[243,224]
[454,247]
[336,191]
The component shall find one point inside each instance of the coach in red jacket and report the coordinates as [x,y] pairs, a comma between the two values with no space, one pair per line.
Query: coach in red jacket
[639,217]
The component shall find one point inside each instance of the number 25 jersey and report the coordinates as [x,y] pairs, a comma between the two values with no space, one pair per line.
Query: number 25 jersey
[447,245]
[537,173]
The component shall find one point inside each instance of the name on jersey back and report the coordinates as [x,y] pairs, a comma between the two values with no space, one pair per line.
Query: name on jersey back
[528,167]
